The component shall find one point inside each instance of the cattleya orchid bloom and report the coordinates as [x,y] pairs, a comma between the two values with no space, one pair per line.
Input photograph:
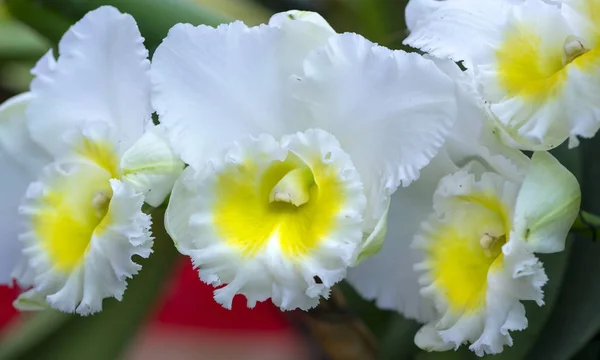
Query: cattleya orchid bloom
[472,225]
[536,63]
[296,137]
[84,141]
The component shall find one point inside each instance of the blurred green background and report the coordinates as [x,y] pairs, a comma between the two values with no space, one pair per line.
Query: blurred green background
[565,328]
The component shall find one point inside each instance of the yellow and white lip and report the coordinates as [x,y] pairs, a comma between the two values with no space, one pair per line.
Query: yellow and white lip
[272,219]
[537,64]
[476,270]
[84,225]
[543,70]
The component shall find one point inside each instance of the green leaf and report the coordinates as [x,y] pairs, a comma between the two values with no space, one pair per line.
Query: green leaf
[381,21]
[44,21]
[54,335]
[249,12]
[396,333]
[398,342]
[377,320]
[590,352]
[154,17]
[18,42]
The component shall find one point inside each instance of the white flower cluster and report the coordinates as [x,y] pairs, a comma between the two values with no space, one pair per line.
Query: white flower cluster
[296,157]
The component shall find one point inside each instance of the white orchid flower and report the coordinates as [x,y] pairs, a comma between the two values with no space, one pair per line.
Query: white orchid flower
[295,138]
[471,225]
[536,62]
[85,134]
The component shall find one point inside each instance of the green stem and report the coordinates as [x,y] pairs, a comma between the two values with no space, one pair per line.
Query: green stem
[586,223]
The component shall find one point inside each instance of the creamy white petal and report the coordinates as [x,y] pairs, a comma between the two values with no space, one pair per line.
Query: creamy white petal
[212,218]
[15,139]
[20,160]
[416,10]
[582,16]
[547,205]
[303,32]
[390,110]
[475,135]
[101,74]
[13,184]
[212,86]
[72,271]
[150,167]
[372,242]
[429,339]
[294,16]
[461,30]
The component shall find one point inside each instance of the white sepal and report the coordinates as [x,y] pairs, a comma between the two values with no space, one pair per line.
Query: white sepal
[150,167]
[547,205]
[21,160]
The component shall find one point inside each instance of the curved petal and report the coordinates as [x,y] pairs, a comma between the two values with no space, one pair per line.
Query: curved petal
[212,86]
[150,167]
[20,160]
[101,75]
[417,10]
[547,205]
[461,30]
[13,184]
[305,30]
[390,110]
[388,277]
[15,139]
[475,135]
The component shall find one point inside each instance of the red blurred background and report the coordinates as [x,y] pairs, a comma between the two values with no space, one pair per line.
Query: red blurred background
[189,324]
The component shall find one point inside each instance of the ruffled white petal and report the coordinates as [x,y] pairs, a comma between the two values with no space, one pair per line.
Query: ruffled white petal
[20,161]
[107,262]
[515,276]
[390,110]
[521,278]
[212,86]
[150,167]
[547,205]
[101,75]
[268,271]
